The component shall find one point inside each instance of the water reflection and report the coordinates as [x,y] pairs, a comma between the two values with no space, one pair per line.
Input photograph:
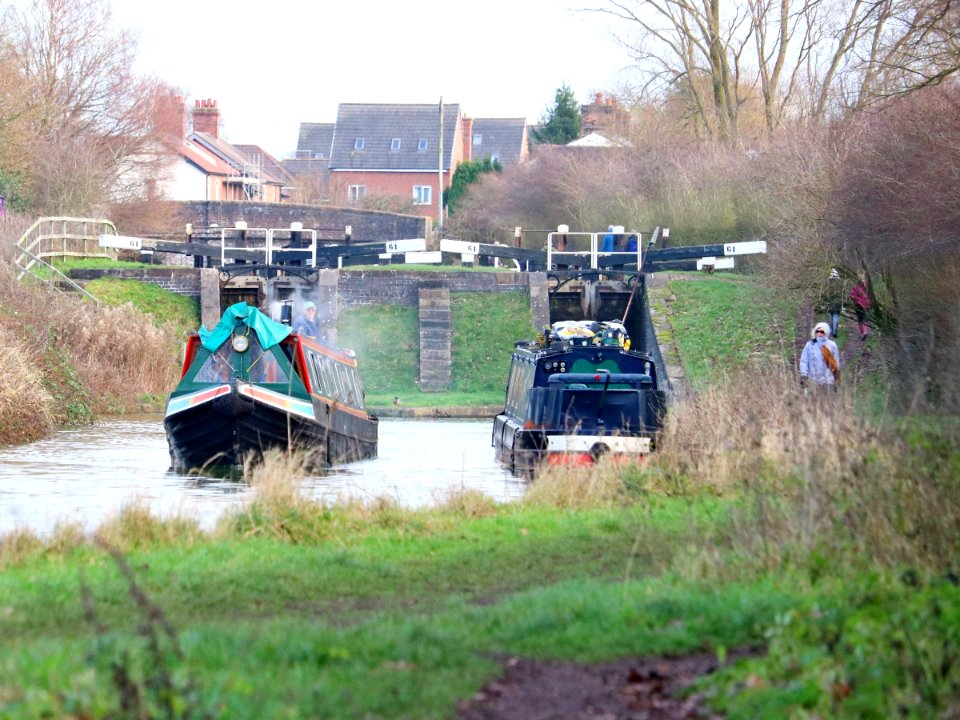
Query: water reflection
[87,474]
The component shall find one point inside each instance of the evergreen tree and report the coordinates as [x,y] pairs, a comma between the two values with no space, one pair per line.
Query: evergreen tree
[466,174]
[561,123]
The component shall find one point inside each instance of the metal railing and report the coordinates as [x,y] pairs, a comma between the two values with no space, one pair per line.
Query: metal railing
[62,237]
[586,248]
[54,278]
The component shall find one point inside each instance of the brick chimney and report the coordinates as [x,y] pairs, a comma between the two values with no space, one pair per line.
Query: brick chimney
[206,117]
[467,139]
[171,116]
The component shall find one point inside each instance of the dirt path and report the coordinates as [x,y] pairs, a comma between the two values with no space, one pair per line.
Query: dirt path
[632,689]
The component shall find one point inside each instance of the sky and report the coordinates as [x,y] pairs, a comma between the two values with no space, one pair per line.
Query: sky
[273,64]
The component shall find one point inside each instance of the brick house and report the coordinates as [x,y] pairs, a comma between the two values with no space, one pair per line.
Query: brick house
[257,174]
[392,150]
[504,140]
[384,150]
[203,166]
[606,116]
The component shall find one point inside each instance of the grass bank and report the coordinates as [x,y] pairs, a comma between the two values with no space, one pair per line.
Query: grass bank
[296,608]
[386,340]
[72,361]
[768,518]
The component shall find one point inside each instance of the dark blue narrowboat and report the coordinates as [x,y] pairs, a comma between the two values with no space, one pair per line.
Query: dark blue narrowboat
[578,393]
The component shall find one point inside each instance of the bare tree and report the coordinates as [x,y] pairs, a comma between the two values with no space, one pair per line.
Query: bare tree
[80,93]
[802,58]
[691,49]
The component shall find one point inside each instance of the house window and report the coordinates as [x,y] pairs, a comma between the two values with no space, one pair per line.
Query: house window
[495,158]
[318,155]
[477,139]
[356,192]
[395,144]
[358,144]
[423,144]
[422,194]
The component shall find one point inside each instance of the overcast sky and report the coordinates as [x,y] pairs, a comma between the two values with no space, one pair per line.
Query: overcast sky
[272,64]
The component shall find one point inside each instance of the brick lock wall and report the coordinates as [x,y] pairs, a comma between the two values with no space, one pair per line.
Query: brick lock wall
[367,225]
[182,281]
[387,287]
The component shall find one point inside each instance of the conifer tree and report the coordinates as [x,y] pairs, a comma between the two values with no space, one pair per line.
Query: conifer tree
[561,123]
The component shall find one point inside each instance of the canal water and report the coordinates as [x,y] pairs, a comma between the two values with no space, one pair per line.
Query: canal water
[88,474]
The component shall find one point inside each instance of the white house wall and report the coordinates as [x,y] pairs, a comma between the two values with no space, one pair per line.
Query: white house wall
[187,182]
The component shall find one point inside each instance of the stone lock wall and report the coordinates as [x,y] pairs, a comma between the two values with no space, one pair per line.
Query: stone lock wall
[182,281]
[329,222]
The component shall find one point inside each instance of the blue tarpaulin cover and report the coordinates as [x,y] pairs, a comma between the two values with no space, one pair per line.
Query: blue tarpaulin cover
[269,332]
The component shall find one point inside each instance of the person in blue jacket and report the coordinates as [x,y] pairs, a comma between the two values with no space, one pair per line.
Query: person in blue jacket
[606,245]
[306,324]
[820,359]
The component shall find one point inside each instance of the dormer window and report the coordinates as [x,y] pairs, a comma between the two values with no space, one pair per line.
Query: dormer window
[395,144]
[423,144]
[477,139]
[358,144]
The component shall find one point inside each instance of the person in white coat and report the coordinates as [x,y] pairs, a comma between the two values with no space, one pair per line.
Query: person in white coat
[820,359]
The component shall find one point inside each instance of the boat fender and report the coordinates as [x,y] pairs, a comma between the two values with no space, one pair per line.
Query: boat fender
[598,450]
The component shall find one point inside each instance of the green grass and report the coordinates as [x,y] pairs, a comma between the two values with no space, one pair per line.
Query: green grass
[96,263]
[723,321]
[384,621]
[387,343]
[881,647]
[398,614]
[386,340]
[485,327]
[398,665]
[179,311]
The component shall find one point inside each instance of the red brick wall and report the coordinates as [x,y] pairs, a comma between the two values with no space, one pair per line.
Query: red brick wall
[380,184]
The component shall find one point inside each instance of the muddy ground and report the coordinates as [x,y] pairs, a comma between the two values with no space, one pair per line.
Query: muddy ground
[632,689]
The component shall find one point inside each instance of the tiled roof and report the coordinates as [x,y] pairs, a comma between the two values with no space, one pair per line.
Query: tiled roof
[315,141]
[305,166]
[234,157]
[500,137]
[203,159]
[391,136]
[268,164]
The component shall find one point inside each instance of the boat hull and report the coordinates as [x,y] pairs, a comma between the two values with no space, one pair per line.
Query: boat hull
[524,450]
[232,427]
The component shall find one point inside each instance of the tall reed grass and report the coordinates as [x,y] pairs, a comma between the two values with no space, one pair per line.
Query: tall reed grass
[67,360]
[816,480]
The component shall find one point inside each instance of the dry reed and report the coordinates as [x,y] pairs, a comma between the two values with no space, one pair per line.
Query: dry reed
[103,358]
[136,527]
[279,508]
[573,488]
[818,479]
[25,404]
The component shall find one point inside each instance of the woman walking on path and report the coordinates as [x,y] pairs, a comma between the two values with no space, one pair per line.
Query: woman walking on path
[820,359]
[861,303]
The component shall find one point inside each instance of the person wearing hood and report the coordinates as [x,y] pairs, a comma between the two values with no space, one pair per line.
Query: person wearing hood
[306,324]
[606,245]
[820,359]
